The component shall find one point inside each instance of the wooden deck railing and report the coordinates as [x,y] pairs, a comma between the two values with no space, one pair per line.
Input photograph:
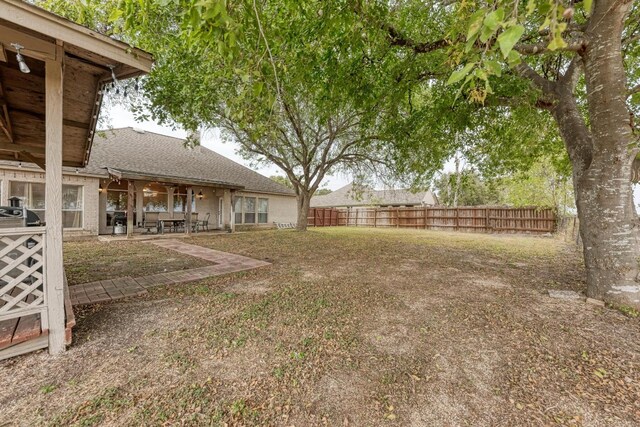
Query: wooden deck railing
[24,310]
[22,290]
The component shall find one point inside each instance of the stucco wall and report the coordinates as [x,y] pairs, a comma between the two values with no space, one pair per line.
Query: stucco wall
[281,209]
[89,193]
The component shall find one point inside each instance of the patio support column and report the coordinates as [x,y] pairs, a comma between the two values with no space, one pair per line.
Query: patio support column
[187,219]
[140,201]
[102,207]
[54,272]
[131,194]
[227,209]
[170,192]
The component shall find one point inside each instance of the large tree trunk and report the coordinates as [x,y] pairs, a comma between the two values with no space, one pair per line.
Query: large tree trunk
[602,161]
[304,202]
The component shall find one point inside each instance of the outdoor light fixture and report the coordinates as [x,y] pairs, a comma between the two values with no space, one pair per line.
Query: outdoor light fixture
[113,74]
[100,188]
[23,65]
[200,195]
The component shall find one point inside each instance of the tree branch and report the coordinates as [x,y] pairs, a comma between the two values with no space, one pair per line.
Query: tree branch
[398,39]
[540,48]
[548,87]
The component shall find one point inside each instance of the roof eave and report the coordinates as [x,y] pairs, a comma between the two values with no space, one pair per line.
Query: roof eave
[142,176]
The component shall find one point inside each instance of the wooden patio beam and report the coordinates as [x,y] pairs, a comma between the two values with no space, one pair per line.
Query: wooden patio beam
[130,197]
[54,270]
[187,219]
[21,148]
[30,158]
[5,121]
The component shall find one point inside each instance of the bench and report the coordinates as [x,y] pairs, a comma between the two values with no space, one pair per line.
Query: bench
[284,225]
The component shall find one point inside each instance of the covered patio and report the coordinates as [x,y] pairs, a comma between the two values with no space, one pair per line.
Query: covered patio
[52,76]
[132,203]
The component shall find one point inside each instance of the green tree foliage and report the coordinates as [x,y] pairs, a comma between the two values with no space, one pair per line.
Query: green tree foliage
[283,180]
[323,191]
[465,188]
[541,185]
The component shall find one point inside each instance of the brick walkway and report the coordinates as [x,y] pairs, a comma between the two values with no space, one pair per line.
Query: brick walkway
[122,287]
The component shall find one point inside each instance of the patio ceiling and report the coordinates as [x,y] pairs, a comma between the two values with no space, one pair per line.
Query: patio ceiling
[87,59]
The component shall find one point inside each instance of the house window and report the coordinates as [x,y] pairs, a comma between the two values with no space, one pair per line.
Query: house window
[32,195]
[263,211]
[180,200]
[72,206]
[245,210]
[249,210]
[156,198]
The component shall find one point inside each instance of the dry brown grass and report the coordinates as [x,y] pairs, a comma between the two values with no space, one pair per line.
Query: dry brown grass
[347,327]
[90,260]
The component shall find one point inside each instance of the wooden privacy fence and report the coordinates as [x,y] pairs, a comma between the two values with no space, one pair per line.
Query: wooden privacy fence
[488,219]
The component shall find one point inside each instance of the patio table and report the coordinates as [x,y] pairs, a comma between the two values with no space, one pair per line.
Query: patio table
[174,222]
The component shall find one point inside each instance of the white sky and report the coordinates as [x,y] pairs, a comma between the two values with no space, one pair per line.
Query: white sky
[120,117]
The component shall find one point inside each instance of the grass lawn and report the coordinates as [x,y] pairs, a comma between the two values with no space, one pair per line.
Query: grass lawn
[88,261]
[352,327]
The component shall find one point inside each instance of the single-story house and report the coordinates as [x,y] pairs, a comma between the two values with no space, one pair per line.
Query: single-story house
[353,196]
[162,171]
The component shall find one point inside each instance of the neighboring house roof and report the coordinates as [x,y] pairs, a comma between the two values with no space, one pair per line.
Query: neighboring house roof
[352,196]
[138,154]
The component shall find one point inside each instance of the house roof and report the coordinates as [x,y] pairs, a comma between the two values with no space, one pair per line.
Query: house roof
[146,155]
[88,57]
[350,195]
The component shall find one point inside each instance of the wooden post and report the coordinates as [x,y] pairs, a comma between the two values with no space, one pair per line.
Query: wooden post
[488,219]
[102,207]
[426,214]
[54,269]
[131,194]
[457,221]
[375,217]
[227,206]
[170,192]
[139,201]
[187,219]
[232,213]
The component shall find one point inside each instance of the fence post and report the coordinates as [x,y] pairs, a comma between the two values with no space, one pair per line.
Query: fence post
[487,219]
[375,217]
[457,221]
[426,213]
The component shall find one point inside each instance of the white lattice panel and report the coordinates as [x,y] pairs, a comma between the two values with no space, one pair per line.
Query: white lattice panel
[21,274]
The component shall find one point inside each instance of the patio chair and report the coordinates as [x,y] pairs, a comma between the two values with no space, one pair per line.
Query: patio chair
[163,216]
[194,221]
[179,216]
[150,221]
[204,224]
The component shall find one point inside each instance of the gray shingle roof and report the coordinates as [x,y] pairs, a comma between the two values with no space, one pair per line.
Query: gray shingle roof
[152,154]
[350,196]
